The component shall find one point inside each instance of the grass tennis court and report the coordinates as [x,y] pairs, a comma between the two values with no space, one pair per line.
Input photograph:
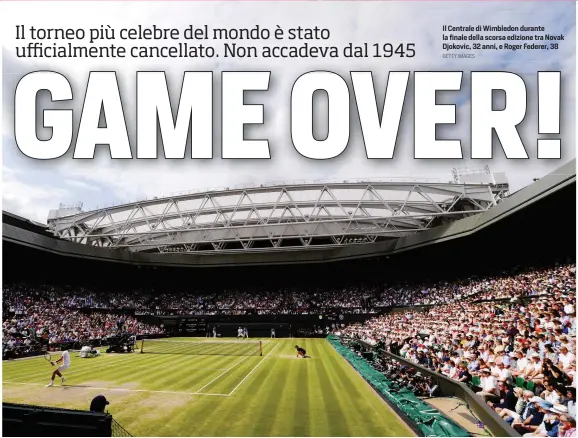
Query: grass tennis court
[275,394]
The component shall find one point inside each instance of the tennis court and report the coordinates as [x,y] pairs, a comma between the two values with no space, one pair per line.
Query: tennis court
[207,388]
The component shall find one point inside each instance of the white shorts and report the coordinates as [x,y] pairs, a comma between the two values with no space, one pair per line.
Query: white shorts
[63,367]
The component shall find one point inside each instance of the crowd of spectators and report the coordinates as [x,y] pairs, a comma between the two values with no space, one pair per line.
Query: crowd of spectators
[517,354]
[34,319]
[59,314]
[354,298]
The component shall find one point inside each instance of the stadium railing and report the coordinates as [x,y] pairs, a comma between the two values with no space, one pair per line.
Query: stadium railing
[451,388]
[117,430]
[419,416]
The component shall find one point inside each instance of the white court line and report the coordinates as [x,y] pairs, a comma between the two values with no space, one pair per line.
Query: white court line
[232,341]
[224,372]
[256,366]
[118,389]
[116,354]
[128,364]
[77,370]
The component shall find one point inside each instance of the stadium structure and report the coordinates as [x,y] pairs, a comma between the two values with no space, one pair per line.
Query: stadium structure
[316,234]
[269,217]
[303,223]
[314,215]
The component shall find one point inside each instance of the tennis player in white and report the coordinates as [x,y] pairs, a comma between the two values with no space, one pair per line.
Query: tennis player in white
[64,360]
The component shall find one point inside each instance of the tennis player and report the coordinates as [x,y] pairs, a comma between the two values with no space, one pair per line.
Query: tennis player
[300,351]
[64,362]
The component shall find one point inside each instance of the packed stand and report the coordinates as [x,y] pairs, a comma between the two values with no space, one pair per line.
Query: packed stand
[39,319]
[348,299]
[519,355]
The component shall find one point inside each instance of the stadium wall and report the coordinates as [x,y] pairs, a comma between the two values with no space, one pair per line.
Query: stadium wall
[257,325]
[27,420]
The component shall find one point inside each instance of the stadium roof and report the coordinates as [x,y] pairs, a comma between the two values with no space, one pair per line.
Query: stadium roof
[22,222]
[281,216]
[555,192]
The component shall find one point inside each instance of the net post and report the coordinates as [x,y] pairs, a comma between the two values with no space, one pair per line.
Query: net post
[260,348]
[142,346]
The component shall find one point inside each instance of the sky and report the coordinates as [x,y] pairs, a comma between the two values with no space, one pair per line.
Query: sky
[32,187]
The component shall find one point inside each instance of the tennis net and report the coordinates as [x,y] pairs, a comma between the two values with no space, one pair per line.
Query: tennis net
[222,348]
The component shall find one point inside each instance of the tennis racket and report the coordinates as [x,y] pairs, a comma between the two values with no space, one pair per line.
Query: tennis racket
[48,357]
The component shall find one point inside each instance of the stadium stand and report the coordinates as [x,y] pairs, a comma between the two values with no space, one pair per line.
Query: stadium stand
[518,354]
[67,314]
[352,298]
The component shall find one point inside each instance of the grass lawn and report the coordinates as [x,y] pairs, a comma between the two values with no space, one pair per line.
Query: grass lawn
[216,395]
